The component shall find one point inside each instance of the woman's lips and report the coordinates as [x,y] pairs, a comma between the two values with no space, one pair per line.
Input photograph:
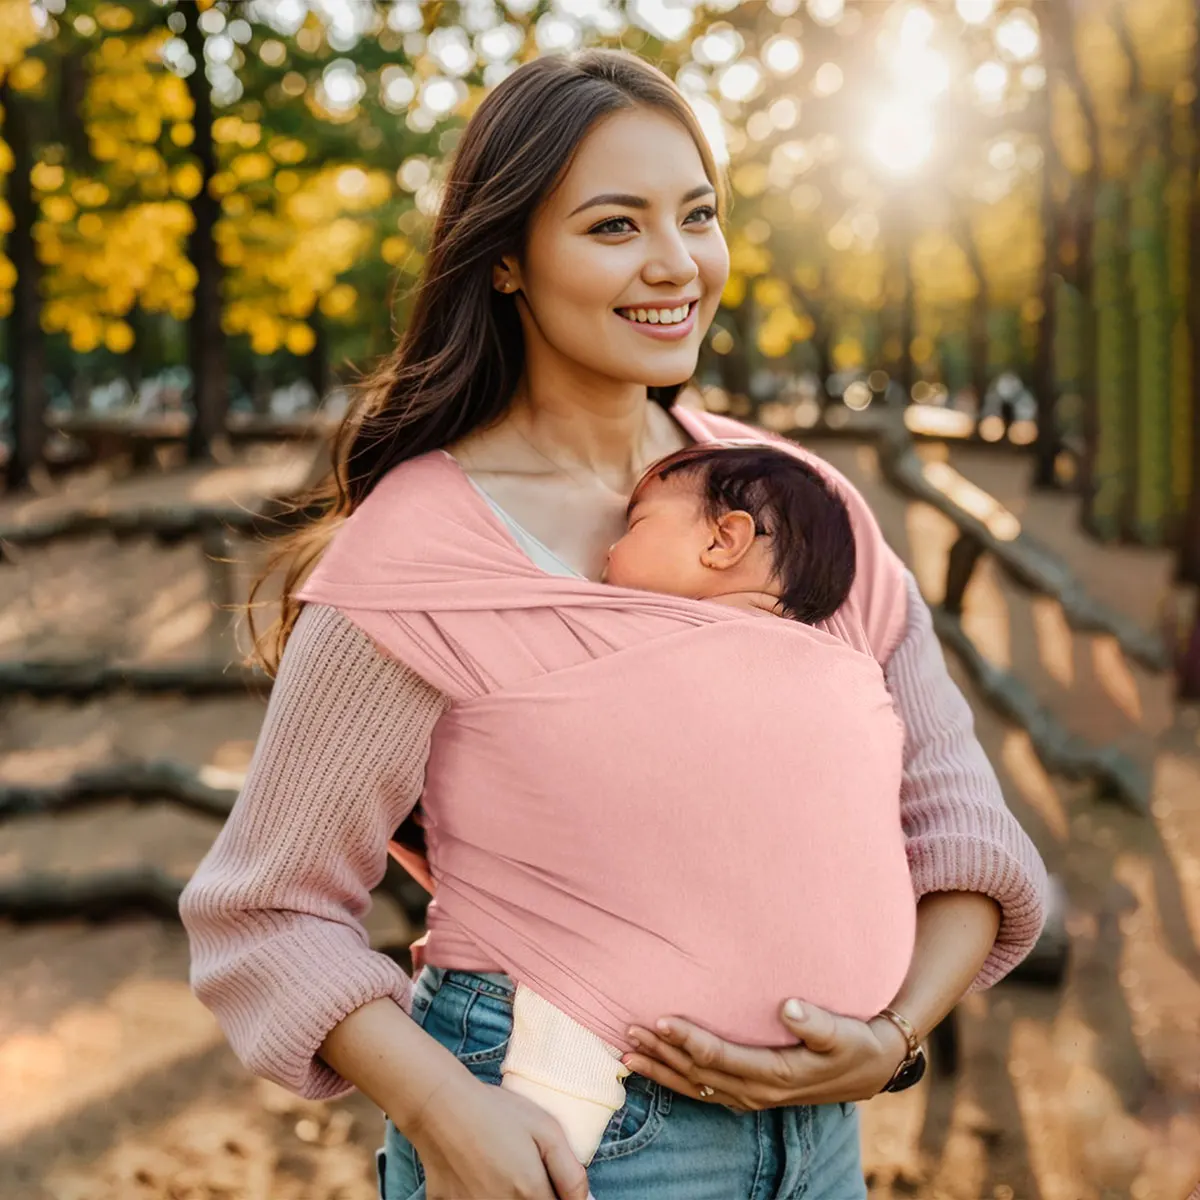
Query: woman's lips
[665,333]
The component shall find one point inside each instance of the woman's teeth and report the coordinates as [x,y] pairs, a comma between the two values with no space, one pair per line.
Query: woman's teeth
[657,316]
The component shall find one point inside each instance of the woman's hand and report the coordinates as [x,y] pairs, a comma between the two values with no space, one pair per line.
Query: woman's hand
[477,1142]
[839,1058]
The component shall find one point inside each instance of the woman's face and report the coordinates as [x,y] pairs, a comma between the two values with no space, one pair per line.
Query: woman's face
[625,261]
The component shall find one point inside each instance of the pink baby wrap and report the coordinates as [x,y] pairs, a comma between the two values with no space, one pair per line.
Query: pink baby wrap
[602,742]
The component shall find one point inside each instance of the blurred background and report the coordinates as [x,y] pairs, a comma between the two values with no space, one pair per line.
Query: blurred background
[965,238]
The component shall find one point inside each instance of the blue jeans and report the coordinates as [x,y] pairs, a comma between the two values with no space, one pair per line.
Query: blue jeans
[661,1145]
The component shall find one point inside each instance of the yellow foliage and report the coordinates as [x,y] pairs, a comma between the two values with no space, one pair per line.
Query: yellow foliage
[89,193]
[118,337]
[186,180]
[112,50]
[28,75]
[6,304]
[8,273]
[85,332]
[286,150]
[747,258]
[147,162]
[394,250]
[771,292]
[183,134]
[922,349]
[90,226]
[264,337]
[17,31]
[6,158]
[300,338]
[735,290]
[46,177]
[749,179]
[58,209]
[339,300]
[114,17]
[6,218]
[847,353]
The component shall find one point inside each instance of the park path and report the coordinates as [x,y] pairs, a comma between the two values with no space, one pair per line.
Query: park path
[1087,1092]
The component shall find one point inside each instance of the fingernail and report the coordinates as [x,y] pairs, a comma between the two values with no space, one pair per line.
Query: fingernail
[627,1060]
[665,1027]
[632,1035]
[794,1010]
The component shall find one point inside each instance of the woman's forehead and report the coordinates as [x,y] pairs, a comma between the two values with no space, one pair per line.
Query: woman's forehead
[637,152]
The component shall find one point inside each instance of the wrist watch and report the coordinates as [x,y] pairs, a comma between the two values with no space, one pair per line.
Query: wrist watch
[912,1067]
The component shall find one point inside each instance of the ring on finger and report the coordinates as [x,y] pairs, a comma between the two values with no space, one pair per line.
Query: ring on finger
[705,1091]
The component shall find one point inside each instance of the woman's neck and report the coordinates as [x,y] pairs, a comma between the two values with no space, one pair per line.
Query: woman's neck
[612,433]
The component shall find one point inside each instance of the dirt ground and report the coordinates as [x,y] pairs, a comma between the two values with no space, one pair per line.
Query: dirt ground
[115,1083]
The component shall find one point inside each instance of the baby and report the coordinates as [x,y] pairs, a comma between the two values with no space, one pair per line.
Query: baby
[742,524]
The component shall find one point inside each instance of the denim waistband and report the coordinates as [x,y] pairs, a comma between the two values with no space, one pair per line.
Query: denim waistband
[494,983]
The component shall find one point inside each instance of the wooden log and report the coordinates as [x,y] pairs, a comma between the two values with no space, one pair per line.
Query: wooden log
[161,780]
[1116,775]
[48,896]
[166,523]
[1023,558]
[83,680]
[960,566]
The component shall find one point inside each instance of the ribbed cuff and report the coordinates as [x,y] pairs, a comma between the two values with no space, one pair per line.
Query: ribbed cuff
[554,1050]
[278,1010]
[968,863]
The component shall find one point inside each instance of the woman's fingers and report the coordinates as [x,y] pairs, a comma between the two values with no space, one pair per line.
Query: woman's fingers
[566,1172]
[815,1027]
[653,1069]
[711,1053]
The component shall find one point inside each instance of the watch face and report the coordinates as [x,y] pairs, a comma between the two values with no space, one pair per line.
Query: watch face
[909,1075]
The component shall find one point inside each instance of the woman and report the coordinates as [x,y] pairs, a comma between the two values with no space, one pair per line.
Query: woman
[576,264]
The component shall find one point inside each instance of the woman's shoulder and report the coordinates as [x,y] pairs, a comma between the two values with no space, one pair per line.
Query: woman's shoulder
[418,511]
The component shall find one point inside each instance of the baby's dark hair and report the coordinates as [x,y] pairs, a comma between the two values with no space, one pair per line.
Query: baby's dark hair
[812,540]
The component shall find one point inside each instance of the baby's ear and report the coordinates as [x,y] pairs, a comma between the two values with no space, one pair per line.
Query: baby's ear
[733,534]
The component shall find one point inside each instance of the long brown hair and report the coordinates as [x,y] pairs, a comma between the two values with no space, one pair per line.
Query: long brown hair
[460,357]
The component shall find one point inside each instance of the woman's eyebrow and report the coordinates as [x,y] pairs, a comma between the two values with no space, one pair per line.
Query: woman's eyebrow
[625,200]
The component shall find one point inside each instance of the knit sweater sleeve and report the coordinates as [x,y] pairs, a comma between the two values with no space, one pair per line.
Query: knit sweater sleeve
[960,834]
[274,912]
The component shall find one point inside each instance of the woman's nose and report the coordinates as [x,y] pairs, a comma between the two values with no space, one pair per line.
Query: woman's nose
[670,262]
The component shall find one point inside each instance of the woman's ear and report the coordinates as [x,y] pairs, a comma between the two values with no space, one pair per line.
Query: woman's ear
[506,275]
[732,535]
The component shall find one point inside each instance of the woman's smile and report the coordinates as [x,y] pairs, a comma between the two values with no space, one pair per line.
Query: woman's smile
[669,323]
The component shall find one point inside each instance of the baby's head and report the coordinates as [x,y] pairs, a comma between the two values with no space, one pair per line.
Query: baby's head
[726,519]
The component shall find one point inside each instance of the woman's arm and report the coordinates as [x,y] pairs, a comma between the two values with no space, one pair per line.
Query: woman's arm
[274,915]
[961,837]
[274,911]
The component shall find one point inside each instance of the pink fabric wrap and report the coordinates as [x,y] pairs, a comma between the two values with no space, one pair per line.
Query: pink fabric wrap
[602,743]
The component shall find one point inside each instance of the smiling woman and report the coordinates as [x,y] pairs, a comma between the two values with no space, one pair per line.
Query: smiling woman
[480,480]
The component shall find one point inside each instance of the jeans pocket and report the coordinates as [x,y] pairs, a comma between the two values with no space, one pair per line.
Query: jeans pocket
[401,1176]
[474,1025]
[637,1122]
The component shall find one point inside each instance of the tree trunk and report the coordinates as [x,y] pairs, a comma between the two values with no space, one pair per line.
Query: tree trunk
[908,322]
[1189,550]
[316,361]
[206,339]
[980,305]
[26,348]
[1045,372]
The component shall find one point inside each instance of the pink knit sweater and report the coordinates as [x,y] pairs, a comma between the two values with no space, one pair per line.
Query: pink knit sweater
[274,911]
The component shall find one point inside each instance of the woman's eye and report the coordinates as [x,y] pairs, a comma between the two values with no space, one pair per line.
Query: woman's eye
[701,215]
[613,225]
